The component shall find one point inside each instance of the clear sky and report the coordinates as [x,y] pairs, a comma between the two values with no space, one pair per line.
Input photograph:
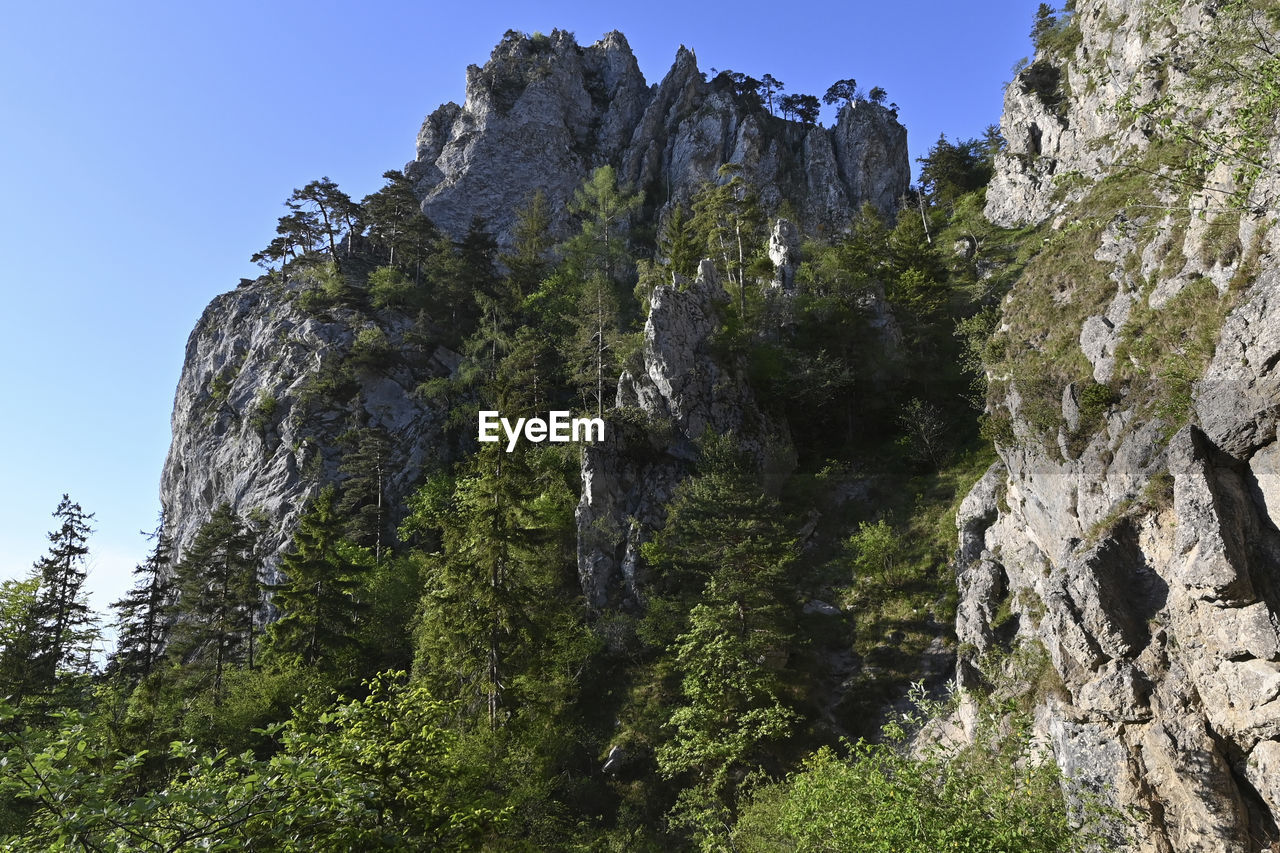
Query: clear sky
[146,148]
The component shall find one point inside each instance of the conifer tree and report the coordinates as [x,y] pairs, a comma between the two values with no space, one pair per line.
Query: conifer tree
[143,614]
[728,213]
[61,620]
[528,261]
[600,256]
[219,596]
[501,544]
[331,209]
[363,501]
[726,544]
[317,600]
[678,242]
[395,219]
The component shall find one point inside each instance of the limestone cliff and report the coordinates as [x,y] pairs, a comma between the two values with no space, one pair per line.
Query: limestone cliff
[268,389]
[256,421]
[1130,527]
[543,112]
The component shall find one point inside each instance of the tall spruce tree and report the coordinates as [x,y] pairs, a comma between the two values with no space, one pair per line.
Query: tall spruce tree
[362,505]
[142,616]
[725,545]
[219,596]
[600,257]
[478,636]
[62,623]
[317,600]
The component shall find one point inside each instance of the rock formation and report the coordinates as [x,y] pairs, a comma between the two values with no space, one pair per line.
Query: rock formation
[681,392]
[543,112]
[1145,564]
[255,424]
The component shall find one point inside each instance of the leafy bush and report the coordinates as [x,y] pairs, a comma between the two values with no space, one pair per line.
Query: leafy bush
[999,794]
[391,288]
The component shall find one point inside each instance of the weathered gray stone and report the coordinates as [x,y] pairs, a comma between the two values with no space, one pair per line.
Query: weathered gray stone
[543,112]
[784,252]
[256,344]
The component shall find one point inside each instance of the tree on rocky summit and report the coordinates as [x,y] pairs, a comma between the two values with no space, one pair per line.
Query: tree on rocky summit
[770,86]
[842,90]
[332,209]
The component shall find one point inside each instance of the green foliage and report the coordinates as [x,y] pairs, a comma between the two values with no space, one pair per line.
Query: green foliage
[215,619]
[875,549]
[952,169]
[1166,350]
[264,410]
[317,598]
[391,288]
[381,773]
[999,794]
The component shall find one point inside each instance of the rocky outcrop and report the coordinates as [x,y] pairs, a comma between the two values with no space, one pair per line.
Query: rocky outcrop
[1069,119]
[661,411]
[1144,564]
[543,112]
[261,407]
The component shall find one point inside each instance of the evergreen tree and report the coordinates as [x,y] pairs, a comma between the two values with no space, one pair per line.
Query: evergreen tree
[396,221]
[807,109]
[363,502]
[502,547]
[142,616]
[331,209]
[528,261]
[725,542]
[770,86]
[842,90]
[600,257]
[728,214]
[219,596]
[679,244]
[61,620]
[318,599]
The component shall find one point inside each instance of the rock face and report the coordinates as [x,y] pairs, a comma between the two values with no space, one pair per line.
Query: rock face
[1146,565]
[543,112]
[661,411]
[255,420]
[254,425]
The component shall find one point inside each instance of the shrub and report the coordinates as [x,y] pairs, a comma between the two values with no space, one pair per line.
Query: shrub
[1001,793]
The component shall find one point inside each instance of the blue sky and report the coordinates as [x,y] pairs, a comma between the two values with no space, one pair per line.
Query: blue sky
[147,148]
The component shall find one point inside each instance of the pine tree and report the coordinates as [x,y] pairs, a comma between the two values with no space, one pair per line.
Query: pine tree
[219,596]
[395,220]
[143,614]
[63,625]
[678,243]
[332,209]
[528,261]
[317,600]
